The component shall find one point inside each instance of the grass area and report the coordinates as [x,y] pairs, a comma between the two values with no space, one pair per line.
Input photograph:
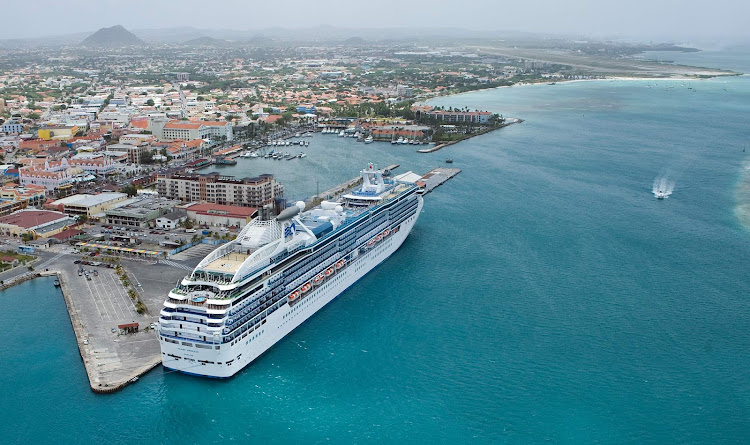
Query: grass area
[20,257]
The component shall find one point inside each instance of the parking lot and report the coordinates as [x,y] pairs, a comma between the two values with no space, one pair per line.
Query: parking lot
[106,293]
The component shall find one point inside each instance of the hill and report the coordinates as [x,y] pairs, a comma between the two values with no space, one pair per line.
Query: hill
[207,41]
[113,37]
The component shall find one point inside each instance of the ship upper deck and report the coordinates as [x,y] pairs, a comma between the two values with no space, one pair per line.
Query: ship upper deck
[228,264]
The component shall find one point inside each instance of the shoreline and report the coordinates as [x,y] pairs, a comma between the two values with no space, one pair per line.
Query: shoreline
[509,121]
[676,77]
[681,78]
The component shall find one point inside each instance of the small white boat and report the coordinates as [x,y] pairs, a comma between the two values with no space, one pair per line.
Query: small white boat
[368,140]
[659,194]
[400,140]
[342,134]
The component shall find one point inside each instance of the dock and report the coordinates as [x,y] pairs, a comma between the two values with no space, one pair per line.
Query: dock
[437,177]
[389,169]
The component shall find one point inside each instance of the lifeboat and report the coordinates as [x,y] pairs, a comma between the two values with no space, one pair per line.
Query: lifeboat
[329,271]
[306,287]
[378,238]
[340,264]
[293,296]
[318,279]
[386,232]
[371,242]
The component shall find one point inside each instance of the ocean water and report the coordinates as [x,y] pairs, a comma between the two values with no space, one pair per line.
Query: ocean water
[544,295]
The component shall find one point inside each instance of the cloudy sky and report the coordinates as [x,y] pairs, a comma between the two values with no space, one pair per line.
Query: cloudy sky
[675,20]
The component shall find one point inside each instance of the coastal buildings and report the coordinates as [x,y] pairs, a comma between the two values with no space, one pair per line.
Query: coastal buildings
[14,197]
[458,117]
[219,189]
[97,164]
[219,130]
[171,220]
[186,131]
[54,176]
[221,215]
[35,223]
[138,211]
[93,206]
[171,130]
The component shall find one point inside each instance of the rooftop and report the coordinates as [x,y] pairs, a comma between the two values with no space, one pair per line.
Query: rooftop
[183,125]
[142,205]
[87,200]
[29,219]
[223,210]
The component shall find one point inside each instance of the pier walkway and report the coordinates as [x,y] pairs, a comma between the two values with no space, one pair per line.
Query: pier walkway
[437,177]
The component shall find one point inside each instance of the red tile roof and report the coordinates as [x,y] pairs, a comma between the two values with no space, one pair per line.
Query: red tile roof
[31,218]
[67,234]
[222,210]
[182,125]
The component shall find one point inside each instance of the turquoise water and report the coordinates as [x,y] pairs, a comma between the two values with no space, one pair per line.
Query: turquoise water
[543,296]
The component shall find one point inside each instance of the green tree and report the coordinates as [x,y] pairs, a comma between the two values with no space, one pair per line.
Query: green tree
[130,190]
[147,157]
[150,102]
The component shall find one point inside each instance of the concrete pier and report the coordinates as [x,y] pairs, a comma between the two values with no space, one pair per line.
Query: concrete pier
[437,177]
[114,359]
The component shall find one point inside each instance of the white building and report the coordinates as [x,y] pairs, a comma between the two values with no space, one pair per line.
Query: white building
[135,139]
[217,129]
[11,126]
[171,220]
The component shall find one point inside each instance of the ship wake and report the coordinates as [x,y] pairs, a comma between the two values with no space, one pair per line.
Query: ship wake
[662,187]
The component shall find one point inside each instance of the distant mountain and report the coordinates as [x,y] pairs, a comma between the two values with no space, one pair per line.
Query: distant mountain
[113,37]
[207,41]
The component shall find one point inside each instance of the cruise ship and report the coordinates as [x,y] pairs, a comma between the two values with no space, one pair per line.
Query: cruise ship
[249,293]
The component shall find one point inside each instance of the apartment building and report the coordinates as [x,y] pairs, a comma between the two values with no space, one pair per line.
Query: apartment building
[220,189]
[217,129]
[474,117]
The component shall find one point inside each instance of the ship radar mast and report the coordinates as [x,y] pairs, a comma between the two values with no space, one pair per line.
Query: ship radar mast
[372,180]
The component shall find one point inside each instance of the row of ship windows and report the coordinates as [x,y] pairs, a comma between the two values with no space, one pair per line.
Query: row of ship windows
[252,337]
[185,343]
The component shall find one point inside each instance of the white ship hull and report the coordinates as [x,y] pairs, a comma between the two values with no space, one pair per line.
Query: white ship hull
[214,362]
